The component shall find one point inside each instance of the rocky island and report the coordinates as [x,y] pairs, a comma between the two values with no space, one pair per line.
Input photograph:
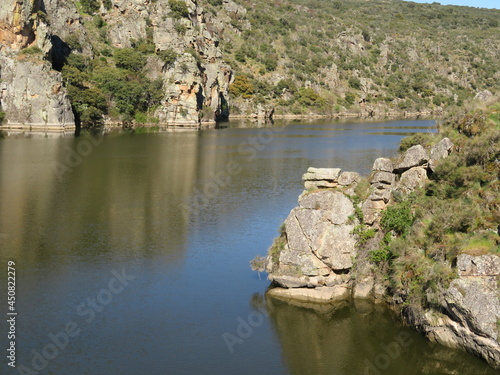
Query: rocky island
[420,233]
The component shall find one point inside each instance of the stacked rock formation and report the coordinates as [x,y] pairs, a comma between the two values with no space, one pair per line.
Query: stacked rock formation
[316,258]
[318,247]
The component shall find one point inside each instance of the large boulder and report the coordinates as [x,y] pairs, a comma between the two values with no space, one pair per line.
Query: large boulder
[383,164]
[413,157]
[384,178]
[440,151]
[348,178]
[318,174]
[485,265]
[412,179]
[319,241]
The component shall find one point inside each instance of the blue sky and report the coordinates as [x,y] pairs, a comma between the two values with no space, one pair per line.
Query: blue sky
[471,3]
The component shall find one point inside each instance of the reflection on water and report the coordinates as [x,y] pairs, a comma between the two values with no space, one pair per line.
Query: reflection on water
[359,338]
[153,206]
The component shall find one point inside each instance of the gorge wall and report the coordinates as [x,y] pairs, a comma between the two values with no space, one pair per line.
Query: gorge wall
[38,37]
[329,244]
[288,59]
[32,95]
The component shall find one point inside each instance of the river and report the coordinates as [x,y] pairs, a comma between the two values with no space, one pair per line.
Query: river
[132,255]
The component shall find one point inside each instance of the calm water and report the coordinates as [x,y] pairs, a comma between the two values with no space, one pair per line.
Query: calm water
[140,251]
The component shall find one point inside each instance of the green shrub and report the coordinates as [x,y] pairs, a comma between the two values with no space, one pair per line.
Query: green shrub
[107,4]
[308,97]
[168,56]
[178,9]
[89,6]
[363,233]
[398,218]
[423,139]
[354,82]
[31,50]
[276,249]
[2,117]
[99,21]
[73,42]
[129,59]
[380,255]
[180,28]
[242,87]
[350,98]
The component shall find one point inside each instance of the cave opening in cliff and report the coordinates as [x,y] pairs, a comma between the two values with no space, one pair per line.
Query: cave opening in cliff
[59,53]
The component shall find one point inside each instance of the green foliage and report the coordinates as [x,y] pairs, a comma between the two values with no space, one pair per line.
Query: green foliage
[276,249]
[178,9]
[129,59]
[398,218]
[363,233]
[168,56]
[196,55]
[242,87]
[3,116]
[34,50]
[215,3]
[99,21]
[354,83]
[456,213]
[144,46]
[180,28]
[89,6]
[89,105]
[350,98]
[308,97]
[285,85]
[107,4]
[380,255]
[74,76]
[423,139]
[73,42]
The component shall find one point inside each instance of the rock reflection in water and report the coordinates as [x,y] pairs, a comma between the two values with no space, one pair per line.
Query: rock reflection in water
[359,338]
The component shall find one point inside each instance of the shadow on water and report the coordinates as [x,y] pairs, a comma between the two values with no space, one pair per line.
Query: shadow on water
[360,338]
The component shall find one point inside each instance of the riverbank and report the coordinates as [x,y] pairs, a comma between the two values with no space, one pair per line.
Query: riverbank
[419,233]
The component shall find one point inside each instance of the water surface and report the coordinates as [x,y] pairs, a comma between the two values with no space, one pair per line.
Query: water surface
[178,216]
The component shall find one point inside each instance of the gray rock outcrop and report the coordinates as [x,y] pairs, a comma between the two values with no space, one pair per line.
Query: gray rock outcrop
[472,309]
[413,157]
[32,93]
[319,252]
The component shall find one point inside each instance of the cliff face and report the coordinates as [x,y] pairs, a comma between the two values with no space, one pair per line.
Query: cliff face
[38,37]
[330,249]
[198,78]
[32,96]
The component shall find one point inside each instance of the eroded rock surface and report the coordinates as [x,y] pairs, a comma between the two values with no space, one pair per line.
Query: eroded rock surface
[317,261]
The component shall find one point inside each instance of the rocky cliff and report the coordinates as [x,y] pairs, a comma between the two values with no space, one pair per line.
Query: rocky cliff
[187,59]
[33,96]
[333,246]
[181,52]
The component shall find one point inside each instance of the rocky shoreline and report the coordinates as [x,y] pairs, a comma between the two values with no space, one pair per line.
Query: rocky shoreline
[322,256]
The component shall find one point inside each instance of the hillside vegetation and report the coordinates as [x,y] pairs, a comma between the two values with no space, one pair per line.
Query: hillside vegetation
[328,56]
[458,212]
[124,62]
